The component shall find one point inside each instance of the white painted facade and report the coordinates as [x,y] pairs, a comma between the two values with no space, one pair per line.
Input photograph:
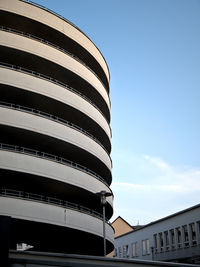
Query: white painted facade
[174,238]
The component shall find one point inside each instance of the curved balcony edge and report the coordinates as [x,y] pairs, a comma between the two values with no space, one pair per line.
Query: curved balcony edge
[105,68]
[2,28]
[53,118]
[43,164]
[37,211]
[51,129]
[53,81]
[44,51]
[5,192]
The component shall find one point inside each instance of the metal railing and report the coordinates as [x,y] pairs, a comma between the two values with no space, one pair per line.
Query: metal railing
[53,118]
[48,156]
[45,77]
[31,36]
[63,18]
[49,200]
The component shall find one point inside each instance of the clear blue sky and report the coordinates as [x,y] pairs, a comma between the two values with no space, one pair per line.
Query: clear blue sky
[152,48]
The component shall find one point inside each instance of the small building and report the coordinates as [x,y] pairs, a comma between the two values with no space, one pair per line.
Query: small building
[121,226]
[173,238]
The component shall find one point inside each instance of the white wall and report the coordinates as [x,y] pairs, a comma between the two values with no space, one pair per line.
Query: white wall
[160,226]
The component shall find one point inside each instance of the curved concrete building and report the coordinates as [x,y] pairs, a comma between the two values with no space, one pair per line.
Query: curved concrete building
[55,139]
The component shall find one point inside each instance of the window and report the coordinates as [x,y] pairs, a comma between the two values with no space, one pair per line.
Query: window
[135,249]
[115,252]
[145,247]
[125,251]
[172,238]
[155,242]
[178,232]
[185,237]
[166,236]
[161,241]
[193,234]
[120,252]
[198,230]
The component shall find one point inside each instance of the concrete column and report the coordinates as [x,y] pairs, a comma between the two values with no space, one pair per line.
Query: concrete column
[5,236]
[197,228]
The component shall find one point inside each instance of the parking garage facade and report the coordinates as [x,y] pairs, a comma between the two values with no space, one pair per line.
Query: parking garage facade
[55,139]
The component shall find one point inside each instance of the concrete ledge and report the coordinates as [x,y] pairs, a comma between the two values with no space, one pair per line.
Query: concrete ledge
[36,85]
[63,26]
[38,212]
[30,259]
[52,129]
[51,54]
[52,170]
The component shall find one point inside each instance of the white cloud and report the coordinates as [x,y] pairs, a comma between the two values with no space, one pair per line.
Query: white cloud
[166,190]
[147,187]
[171,178]
[158,162]
[135,186]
